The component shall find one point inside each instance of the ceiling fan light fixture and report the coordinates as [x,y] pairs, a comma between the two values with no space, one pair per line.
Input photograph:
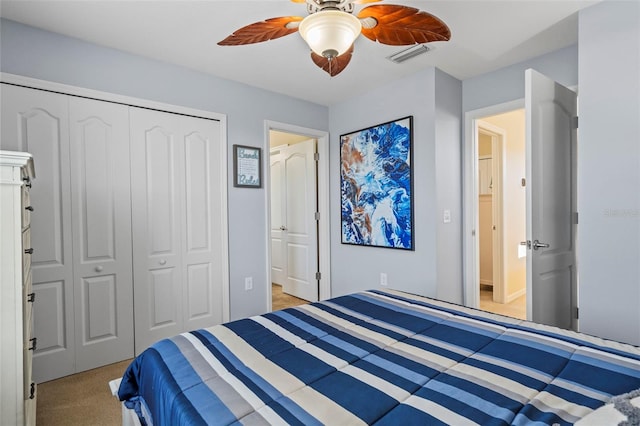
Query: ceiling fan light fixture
[330,33]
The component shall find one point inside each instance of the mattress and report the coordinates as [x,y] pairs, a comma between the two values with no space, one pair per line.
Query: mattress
[378,357]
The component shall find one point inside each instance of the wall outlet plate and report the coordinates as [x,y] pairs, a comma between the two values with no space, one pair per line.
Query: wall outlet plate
[383,279]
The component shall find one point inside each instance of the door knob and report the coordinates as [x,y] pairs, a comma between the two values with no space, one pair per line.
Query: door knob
[283,228]
[98,268]
[537,244]
[163,262]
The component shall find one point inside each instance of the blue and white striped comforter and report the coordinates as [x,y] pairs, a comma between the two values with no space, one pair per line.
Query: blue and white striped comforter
[384,358]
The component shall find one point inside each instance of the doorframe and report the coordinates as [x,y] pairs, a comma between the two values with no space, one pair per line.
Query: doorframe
[471,262]
[498,158]
[324,246]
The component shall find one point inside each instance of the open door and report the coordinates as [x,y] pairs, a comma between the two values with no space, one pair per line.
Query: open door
[551,135]
[294,233]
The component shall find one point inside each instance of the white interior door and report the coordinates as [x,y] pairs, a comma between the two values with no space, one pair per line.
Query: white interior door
[278,207]
[36,121]
[551,201]
[177,224]
[101,219]
[202,226]
[300,233]
[156,196]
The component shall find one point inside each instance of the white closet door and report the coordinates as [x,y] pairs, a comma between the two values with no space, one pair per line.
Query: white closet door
[157,192]
[202,222]
[37,122]
[101,218]
[176,164]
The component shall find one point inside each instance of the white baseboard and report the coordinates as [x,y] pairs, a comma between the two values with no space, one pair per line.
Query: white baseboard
[513,296]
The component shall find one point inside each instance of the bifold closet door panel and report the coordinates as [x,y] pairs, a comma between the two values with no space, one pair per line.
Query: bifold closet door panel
[177,224]
[202,226]
[36,121]
[101,219]
[157,176]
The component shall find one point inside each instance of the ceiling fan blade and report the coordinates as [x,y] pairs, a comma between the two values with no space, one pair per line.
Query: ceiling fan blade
[268,29]
[336,65]
[401,25]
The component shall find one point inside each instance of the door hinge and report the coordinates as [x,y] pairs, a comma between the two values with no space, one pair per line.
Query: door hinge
[317,215]
[318,276]
[316,156]
[575,122]
[575,218]
[577,313]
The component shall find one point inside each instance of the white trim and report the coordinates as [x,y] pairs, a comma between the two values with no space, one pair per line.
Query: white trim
[471,292]
[513,296]
[174,109]
[51,86]
[324,242]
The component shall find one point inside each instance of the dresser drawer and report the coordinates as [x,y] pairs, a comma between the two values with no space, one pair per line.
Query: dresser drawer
[27,250]
[30,407]
[26,207]
[27,311]
[27,368]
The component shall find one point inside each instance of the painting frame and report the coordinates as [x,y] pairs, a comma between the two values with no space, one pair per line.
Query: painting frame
[247,166]
[376,186]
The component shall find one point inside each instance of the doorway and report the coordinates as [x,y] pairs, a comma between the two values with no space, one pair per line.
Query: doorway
[495,171]
[298,215]
[550,185]
[501,213]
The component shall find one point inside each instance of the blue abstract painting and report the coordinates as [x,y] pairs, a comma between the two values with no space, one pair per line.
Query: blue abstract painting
[376,186]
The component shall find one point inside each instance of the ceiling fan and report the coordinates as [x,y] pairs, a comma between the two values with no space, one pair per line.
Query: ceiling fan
[330,29]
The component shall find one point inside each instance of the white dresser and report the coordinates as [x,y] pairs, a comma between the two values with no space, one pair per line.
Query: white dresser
[17,390]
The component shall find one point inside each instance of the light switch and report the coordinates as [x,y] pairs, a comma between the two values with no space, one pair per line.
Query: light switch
[446,216]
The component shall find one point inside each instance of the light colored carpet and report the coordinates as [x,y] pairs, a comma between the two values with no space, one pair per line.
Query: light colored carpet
[85,398]
[80,399]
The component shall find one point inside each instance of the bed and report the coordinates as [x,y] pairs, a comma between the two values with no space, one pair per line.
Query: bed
[383,358]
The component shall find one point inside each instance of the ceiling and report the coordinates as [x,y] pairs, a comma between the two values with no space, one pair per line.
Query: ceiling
[486,35]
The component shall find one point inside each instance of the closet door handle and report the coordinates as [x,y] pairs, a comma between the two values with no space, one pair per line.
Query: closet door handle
[98,268]
[163,262]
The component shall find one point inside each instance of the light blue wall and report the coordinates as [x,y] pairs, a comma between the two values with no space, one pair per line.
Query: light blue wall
[609,170]
[507,84]
[31,52]
[433,99]
[448,168]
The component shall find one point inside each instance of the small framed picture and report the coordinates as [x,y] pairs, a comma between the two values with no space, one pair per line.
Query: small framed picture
[247,166]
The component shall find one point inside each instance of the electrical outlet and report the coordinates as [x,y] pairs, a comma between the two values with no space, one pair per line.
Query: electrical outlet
[383,279]
[248,283]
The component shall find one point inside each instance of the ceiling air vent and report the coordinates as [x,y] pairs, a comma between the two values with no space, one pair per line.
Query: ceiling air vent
[409,53]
